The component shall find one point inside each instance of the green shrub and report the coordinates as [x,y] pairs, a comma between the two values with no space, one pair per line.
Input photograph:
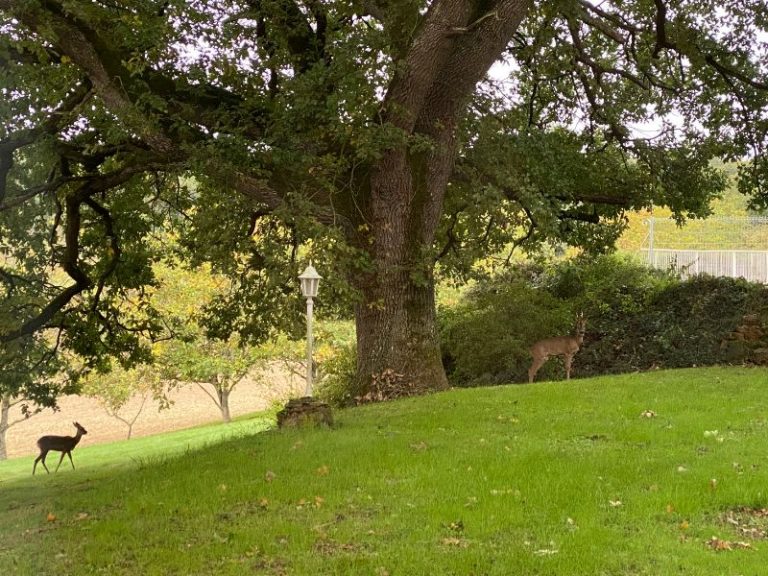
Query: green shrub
[485,338]
[615,292]
[681,325]
[338,374]
[637,319]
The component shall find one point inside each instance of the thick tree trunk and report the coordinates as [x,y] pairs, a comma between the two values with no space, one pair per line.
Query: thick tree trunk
[397,338]
[398,348]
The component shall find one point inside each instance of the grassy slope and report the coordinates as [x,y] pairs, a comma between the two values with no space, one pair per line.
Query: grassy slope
[553,478]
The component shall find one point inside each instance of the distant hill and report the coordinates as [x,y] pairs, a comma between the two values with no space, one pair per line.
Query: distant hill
[724,229]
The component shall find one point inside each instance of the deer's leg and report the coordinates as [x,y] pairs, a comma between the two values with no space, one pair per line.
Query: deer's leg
[70,460]
[568,359]
[60,461]
[41,459]
[38,459]
[538,362]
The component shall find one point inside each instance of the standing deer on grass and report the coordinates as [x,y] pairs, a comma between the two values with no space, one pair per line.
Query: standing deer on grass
[63,444]
[565,346]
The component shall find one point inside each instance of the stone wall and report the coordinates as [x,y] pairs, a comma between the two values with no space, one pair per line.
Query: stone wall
[748,343]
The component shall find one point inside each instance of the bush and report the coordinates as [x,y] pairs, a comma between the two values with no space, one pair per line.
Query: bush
[338,374]
[637,319]
[485,338]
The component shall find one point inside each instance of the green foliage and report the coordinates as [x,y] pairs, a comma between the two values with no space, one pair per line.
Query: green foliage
[338,375]
[637,319]
[115,387]
[614,285]
[681,325]
[265,145]
[622,475]
[220,362]
[485,338]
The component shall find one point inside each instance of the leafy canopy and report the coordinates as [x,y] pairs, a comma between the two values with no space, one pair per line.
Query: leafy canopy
[252,130]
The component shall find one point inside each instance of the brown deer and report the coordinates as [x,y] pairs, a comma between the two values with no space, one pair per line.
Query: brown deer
[63,444]
[565,346]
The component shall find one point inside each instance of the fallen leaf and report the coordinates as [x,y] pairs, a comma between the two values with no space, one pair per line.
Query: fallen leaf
[453,541]
[615,503]
[720,545]
[51,517]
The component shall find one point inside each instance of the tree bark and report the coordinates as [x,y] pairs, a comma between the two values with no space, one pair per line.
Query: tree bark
[397,339]
[5,409]
[398,347]
[223,394]
[397,336]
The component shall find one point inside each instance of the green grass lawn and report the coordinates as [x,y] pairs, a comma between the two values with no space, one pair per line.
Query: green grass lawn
[622,475]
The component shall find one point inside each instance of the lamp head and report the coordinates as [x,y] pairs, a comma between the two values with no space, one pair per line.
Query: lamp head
[310,281]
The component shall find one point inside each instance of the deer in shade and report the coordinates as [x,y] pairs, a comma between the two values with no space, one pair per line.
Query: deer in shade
[565,346]
[63,444]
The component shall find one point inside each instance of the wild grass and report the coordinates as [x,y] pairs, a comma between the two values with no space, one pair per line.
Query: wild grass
[624,475]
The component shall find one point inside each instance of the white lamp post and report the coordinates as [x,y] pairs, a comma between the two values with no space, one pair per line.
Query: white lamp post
[310,281]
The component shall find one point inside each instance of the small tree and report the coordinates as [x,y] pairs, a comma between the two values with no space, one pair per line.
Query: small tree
[218,364]
[115,388]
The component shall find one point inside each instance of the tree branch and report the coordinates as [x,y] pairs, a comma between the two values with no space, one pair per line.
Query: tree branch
[109,229]
[52,124]
[664,42]
[70,257]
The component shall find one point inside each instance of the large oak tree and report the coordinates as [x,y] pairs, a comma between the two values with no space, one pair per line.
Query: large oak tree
[366,132]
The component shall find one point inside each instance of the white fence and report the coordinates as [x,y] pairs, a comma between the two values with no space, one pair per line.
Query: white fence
[749,264]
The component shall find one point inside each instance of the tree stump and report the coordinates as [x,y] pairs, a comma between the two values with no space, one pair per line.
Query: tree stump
[304,411]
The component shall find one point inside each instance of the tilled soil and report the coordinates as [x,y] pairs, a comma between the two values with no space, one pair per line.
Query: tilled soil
[191,406]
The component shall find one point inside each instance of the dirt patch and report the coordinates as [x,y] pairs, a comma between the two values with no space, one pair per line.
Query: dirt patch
[191,406]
